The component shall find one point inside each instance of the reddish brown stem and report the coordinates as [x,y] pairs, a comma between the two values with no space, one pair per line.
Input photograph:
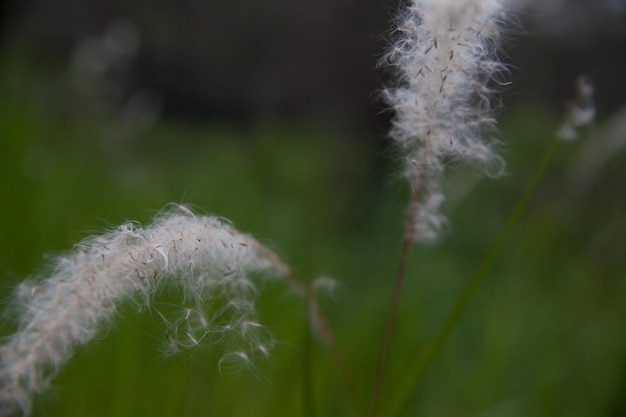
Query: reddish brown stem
[395,297]
[321,326]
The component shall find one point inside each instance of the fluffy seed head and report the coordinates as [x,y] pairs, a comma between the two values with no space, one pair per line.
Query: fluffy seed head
[205,257]
[581,110]
[443,57]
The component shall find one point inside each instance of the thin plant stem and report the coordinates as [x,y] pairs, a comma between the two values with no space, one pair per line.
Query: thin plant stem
[427,355]
[308,366]
[319,323]
[307,369]
[182,405]
[321,326]
[395,297]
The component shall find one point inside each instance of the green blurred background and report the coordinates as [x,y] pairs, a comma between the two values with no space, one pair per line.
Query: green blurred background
[263,113]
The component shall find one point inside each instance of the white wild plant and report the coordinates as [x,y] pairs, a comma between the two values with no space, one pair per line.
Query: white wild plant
[445,65]
[444,60]
[446,69]
[203,256]
[581,110]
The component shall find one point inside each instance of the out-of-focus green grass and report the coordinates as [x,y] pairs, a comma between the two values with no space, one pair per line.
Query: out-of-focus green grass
[544,336]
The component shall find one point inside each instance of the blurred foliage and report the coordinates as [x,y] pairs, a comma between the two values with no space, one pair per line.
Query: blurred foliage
[544,336]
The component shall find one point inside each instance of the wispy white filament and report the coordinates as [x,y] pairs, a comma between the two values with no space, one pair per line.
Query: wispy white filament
[581,111]
[443,57]
[204,256]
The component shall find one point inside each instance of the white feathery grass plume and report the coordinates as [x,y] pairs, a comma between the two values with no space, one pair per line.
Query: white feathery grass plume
[443,57]
[204,256]
[581,110]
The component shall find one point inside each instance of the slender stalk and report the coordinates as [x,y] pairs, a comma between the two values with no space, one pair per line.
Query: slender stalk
[307,369]
[308,397]
[395,298]
[427,355]
[182,405]
[319,323]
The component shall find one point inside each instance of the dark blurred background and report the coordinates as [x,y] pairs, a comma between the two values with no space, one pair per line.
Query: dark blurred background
[252,60]
[239,60]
